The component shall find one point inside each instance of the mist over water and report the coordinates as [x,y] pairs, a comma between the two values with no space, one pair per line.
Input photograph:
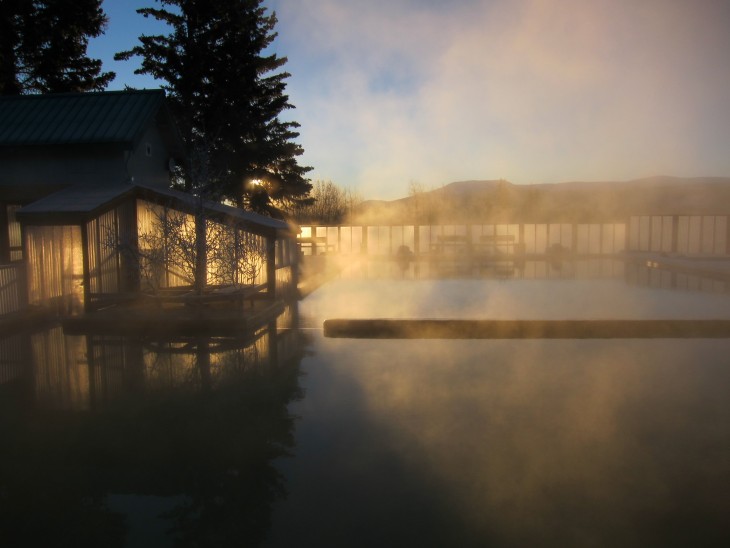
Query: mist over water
[284,437]
[510,299]
[473,443]
[508,442]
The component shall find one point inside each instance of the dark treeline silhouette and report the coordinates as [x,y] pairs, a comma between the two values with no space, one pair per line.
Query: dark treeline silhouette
[43,46]
[225,89]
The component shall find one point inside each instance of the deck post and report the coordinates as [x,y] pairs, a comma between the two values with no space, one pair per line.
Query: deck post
[129,238]
[521,246]
[86,276]
[574,243]
[292,259]
[271,266]
[201,249]
[25,284]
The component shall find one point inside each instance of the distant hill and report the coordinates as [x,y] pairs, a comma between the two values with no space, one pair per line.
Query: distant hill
[603,201]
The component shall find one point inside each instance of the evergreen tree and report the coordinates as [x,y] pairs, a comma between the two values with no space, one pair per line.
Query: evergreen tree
[43,46]
[227,94]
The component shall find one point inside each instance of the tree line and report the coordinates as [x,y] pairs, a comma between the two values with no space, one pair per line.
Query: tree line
[224,86]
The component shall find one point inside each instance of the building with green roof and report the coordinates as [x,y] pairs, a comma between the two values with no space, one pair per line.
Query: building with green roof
[85,193]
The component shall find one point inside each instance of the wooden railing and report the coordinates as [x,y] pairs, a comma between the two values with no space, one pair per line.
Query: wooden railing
[13,296]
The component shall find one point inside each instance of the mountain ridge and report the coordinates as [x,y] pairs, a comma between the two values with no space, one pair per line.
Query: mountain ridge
[492,200]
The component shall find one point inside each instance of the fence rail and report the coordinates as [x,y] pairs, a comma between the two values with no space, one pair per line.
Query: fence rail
[12,288]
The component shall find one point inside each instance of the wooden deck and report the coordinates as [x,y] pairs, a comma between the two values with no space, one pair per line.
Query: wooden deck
[30,318]
[183,297]
[183,321]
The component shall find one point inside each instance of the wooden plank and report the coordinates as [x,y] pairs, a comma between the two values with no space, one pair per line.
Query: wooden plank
[524,329]
[196,322]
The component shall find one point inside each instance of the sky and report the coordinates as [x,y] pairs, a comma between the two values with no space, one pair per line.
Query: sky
[390,92]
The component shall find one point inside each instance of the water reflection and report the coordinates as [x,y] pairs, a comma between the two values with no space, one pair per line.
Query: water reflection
[112,440]
[477,443]
[510,443]
[500,267]
[119,441]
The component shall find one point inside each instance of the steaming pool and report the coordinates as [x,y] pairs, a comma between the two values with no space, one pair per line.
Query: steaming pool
[288,438]
[415,442]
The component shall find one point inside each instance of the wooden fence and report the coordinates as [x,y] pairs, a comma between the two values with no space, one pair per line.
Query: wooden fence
[695,235]
[485,239]
[691,235]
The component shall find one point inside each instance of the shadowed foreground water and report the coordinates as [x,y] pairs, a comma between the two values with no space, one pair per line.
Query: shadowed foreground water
[110,440]
[510,443]
[537,442]
[286,438]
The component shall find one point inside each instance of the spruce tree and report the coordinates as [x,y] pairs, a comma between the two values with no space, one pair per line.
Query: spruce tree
[43,46]
[227,93]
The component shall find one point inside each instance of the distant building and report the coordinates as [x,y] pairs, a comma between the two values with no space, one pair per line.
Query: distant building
[84,180]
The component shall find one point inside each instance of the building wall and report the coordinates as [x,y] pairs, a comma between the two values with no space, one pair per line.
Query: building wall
[61,166]
[29,173]
[149,163]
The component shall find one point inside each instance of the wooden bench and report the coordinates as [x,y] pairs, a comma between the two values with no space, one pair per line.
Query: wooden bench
[499,243]
[314,243]
[451,242]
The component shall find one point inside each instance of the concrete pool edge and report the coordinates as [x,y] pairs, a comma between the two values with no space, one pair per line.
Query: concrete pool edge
[386,328]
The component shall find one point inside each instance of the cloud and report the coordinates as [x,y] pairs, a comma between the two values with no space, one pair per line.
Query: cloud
[531,91]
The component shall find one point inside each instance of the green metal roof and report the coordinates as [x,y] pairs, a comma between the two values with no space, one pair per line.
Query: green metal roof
[77,118]
[81,203]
